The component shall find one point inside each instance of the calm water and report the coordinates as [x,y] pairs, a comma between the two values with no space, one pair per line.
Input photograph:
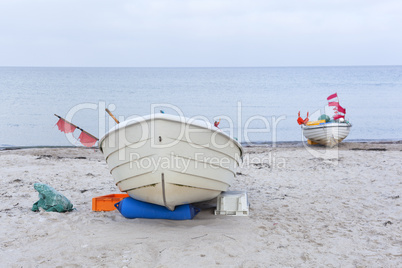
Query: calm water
[259,99]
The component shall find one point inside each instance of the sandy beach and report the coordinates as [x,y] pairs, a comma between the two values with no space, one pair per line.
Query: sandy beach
[315,207]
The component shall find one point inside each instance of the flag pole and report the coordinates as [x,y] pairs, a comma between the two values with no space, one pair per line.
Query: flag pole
[77,127]
[110,113]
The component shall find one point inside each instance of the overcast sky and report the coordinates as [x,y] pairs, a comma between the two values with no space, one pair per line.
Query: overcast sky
[203,33]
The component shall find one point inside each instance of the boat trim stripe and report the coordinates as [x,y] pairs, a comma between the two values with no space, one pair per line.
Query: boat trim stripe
[200,146]
[163,190]
[127,146]
[325,126]
[130,161]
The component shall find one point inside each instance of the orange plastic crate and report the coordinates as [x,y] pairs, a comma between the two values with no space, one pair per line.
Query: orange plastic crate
[106,202]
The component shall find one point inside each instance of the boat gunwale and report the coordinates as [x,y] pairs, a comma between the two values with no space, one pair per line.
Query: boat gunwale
[172,118]
[327,125]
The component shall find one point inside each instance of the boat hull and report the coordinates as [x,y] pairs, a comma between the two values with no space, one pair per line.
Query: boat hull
[170,161]
[329,134]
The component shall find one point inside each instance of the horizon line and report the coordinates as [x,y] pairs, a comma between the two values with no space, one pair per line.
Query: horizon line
[178,67]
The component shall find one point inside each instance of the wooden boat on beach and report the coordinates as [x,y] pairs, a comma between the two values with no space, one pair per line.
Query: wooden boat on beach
[170,160]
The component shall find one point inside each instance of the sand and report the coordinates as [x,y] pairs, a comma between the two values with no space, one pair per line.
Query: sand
[313,207]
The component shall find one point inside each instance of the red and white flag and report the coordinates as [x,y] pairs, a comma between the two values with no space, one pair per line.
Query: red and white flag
[65,126]
[333,97]
[337,116]
[339,110]
[337,107]
[87,139]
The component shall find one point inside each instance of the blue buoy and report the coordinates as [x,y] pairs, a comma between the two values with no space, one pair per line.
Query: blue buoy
[131,209]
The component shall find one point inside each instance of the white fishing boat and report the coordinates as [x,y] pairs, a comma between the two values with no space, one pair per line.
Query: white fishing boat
[170,160]
[327,134]
[327,131]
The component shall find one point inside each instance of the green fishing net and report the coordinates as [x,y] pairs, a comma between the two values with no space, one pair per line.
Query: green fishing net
[324,117]
[51,200]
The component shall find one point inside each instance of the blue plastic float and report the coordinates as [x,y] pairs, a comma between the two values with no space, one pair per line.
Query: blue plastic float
[131,209]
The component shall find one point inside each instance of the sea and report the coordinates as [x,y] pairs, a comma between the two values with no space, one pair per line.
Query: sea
[254,105]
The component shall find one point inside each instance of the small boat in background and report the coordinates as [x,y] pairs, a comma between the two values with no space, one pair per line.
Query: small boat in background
[170,160]
[327,134]
[326,131]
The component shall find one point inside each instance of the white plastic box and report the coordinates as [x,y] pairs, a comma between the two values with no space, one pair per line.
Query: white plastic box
[233,203]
